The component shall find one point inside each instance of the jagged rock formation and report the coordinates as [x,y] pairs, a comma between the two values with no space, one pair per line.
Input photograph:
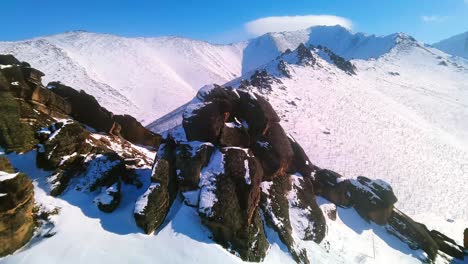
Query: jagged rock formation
[86,109]
[233,161]
[229,148]
[339,61]
[16,205]
[32,116]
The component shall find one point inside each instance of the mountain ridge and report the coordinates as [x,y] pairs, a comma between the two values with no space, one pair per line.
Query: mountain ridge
[168,66]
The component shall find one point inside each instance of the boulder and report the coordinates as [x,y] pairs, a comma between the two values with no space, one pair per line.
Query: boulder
[227,97]
[301,162]
[152,207]
[275,206]
[51,100]
[204,121]
[274,151]
[234,219]
[414,234]
[372,199]
[234,134]
[16,206]
[109,198]
[84,107]
[14,134]
[333,187]
[133,131]
[257,112]
[4,84]
[447,245]
[190,159]
[8,59]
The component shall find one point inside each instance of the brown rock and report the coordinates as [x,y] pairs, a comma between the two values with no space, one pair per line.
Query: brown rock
[301,162]
[16,204]
[372,199]
[133,131]
[84,107]
[274,151]
[257,112]
[205,122]
[414,234]
[333,187]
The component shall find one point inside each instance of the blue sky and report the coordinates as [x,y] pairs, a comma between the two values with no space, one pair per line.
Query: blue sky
[228,21]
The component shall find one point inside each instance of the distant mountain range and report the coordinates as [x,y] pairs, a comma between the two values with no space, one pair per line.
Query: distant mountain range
[136,75]
[456,45]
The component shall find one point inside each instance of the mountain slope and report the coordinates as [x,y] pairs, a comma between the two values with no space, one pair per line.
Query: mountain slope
[456,45]
[137,75]
[134,76]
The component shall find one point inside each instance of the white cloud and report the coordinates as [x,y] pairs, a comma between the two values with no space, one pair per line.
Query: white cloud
[434,18]
[289,23]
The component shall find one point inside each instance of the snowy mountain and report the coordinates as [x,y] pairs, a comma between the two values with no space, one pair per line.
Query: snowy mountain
[133,76]
[351,103]
[456,45]
[136,75]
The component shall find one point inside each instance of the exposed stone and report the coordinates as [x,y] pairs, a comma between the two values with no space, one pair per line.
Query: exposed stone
[8,59]
[234,134]
[205,123]
[447,245]
[257,112]
[316,228]
[305,56]
[190,159]
[333,187]
[14,134]
[414,234]
[339,61]
[372,199]
[109,199]
[465,238]
[84,107]
[163,189]
[16,205]
[274,151]
[275,206]
[133,131]
[301,162]
[235,221]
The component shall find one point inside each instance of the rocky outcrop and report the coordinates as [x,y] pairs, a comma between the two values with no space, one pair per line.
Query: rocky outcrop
[415,234]
[372,199]
[16,206]
[230,144]
[305,55]
[153,206]
[133,131]
[339,61]
[84,107]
